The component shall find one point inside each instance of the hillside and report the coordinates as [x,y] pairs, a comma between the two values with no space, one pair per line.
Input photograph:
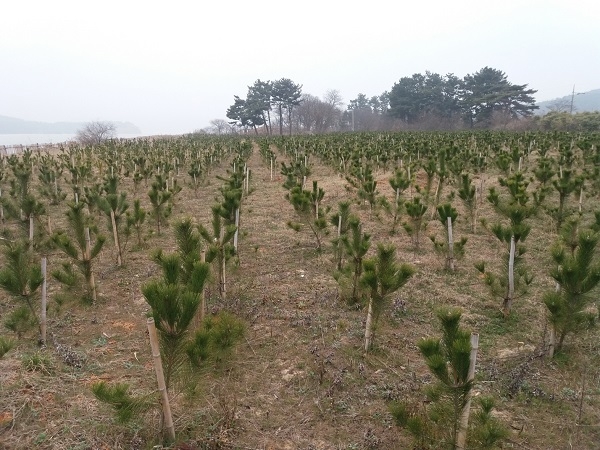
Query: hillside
[582,102]
[13,125]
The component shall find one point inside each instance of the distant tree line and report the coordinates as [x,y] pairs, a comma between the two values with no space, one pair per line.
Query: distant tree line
[430,101]
[565,121]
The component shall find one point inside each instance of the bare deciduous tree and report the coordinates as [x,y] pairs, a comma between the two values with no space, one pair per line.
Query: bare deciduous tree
[333,98]
[314,115]
[561,105]
[96,132]
[220,126]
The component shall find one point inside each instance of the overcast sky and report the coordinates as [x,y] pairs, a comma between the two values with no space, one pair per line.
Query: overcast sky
[172,66]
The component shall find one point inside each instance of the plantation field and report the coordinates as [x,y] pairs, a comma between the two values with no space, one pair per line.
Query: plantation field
[299,377]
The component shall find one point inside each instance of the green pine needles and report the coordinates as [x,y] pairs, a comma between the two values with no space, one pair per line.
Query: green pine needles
[77,244]
[21,278]
[308,210]
[160,199]
[577,274]
[382,276]
[126,407]
[450,249]
[443,421]
[516,210]
[355,245]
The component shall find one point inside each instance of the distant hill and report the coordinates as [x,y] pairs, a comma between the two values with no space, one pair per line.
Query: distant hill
[12,125]
[582,102]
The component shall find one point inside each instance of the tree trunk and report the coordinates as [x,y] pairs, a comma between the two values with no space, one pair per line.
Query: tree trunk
[280,120]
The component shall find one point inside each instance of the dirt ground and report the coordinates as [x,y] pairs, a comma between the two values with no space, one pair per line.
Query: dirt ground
[299,379]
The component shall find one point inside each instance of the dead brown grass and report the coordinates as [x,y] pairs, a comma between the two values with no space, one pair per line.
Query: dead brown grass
[300,380]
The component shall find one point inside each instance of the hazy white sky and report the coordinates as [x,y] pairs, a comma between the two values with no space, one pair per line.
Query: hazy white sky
[172,66]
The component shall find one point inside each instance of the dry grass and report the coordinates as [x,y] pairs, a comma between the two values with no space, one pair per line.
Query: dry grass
[300,379]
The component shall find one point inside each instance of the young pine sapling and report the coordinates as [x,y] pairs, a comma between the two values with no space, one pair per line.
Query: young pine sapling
[382,276]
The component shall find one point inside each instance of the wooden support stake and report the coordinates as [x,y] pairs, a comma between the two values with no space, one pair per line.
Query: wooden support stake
[113,222]
[44,301]
[88,256]
[461,436]
[160,378]
[511,278]
[237,229]
[450,245]
[31,231]
[551,341]
[223,289]
[203,294]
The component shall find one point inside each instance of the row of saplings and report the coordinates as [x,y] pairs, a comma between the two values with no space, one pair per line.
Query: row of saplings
[176,300]
[190,341]
[451,359]
[515,207]
[576,273]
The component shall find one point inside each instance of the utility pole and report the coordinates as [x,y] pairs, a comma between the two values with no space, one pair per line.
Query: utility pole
[573,94]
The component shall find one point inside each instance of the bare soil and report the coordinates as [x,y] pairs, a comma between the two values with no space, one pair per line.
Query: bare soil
[299,379]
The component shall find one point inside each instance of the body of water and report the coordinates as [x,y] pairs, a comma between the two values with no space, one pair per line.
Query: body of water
[32,139]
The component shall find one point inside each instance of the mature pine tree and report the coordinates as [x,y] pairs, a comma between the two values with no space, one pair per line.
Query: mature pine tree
[420,96]
[286,95]
[488,93]
[259,100]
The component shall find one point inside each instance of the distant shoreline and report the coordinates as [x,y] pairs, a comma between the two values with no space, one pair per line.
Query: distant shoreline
[42,139]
